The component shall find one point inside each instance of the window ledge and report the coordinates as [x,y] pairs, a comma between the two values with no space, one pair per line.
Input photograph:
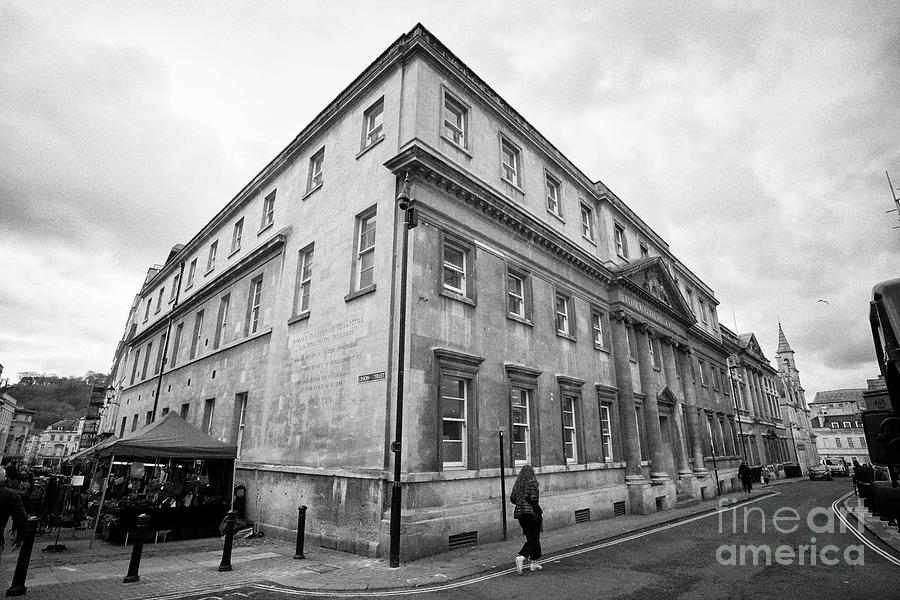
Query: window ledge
[601,348]
[367,148]
[556,216]
[311,191]
[233,252]
[589,240]
[518,319]
[208,271]
[455,145]
[361,292]
[512,184]
[301,317]
[567,336]
[265,227]
[457,296]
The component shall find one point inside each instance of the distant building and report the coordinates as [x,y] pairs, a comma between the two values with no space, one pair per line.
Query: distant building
[32,443]
[760,423]
[19,431]
[792,400]
[8,406]
[59,440]
[837,423]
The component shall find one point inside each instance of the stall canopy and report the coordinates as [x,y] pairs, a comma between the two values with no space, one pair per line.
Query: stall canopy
[169,437]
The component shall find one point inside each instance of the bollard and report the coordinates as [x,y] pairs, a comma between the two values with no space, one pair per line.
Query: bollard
[301,531]
[225,565]
[135,563]
[17,588]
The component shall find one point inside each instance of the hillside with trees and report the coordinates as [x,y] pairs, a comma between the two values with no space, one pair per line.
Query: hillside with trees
[53,397]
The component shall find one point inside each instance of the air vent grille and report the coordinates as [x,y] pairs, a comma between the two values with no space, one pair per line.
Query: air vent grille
[618,509]
[583,515]
[463,540]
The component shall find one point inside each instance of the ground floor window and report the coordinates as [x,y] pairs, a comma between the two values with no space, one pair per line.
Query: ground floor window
[454,396]
[521,426]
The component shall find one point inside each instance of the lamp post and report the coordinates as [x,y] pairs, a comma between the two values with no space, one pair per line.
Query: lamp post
[735,391]
[404,203]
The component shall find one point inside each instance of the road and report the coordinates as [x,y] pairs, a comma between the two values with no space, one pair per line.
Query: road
[788,545]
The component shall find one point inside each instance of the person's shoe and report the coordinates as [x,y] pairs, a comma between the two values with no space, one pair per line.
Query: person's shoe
[534,566]
[520,562]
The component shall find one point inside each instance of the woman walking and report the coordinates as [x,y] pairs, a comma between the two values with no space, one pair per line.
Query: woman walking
[528,512]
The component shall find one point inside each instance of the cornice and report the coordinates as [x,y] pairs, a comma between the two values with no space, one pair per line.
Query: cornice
[422,164]
[270,248]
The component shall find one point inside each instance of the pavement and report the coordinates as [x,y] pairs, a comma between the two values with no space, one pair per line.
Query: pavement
[877,526]
[173,568]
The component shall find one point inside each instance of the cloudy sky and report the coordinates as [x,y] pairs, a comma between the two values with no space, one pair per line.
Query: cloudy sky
[753,137]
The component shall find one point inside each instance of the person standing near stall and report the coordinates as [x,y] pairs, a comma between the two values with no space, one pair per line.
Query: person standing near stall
[528,512]
[11,506]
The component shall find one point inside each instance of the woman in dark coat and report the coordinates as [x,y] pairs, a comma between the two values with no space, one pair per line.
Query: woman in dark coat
[528,512]
[746,477]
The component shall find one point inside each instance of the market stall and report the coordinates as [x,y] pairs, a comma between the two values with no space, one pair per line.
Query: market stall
[170,470]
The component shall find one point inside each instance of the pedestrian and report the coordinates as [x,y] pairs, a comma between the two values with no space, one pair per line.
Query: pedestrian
[528,513]
[11,506]
[746,477]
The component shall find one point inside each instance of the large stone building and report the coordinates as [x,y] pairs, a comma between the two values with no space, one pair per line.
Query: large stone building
[794,409]
[60,440]
[837,422]
[754,383]
[539,305]
[19,430]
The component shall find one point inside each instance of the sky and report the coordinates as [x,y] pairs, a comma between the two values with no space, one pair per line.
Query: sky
[753,137]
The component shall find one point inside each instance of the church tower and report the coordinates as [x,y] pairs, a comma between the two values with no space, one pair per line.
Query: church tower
[787,368]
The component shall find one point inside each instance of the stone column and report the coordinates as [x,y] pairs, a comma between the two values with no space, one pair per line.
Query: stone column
[718,433]
[650,385]
[681,456]
[754,408]
[627,416]
[690,400]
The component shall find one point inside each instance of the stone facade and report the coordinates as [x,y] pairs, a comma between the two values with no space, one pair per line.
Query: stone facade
[794,409]
[837,424]
[540,310]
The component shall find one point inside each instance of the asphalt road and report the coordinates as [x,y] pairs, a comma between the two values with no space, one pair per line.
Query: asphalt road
[789,545]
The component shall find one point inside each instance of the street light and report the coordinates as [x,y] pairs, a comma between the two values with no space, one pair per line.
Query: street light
[404,203]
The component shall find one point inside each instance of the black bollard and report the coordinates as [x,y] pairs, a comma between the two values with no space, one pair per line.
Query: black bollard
[225,565]
[18,581]
[301,531]
[135,563]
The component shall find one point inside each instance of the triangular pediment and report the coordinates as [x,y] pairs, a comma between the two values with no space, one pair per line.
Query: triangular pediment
[651,275]
[751,345]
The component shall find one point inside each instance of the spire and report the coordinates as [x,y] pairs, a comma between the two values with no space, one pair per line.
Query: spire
[783,345]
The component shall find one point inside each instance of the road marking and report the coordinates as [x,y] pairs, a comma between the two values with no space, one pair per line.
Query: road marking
[454,585]
[837,511]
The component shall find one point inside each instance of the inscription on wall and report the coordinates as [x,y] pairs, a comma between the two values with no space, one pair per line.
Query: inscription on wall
[649,312]
[323,357]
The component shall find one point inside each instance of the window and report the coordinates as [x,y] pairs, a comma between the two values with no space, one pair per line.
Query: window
[211,260]
[177,342]
[159,298]
[570,432]
[850,442]
[147,309]
[239,420]
[165,411]
[515,291]
[316,163]
[198,332]
[134,365]
[192,270]
[455,268]
[222,321]
[146,360]
[639,415]
[553,194]
[521,426]
[268,212]
[509,162]
[702,310]
[454,397]
[655,357]
[846,424]
[122,429]
[862,442]
[632,343]
[597,327]
[703,373]
[365,251]
[148,417]
[236,235]
[209,407]
[645,251]
[373,120]
[175,281]
[690,298]
[304,279]
[185,410]
[587,222]
[160,353]
[837,442]
[253,305]
[456,121]
[621,244]
[858,424]
[564,325]
[606,433]
[835,425]
[134,419]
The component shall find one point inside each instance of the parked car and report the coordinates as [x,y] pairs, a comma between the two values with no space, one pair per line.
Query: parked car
[837,467]
[819,472]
